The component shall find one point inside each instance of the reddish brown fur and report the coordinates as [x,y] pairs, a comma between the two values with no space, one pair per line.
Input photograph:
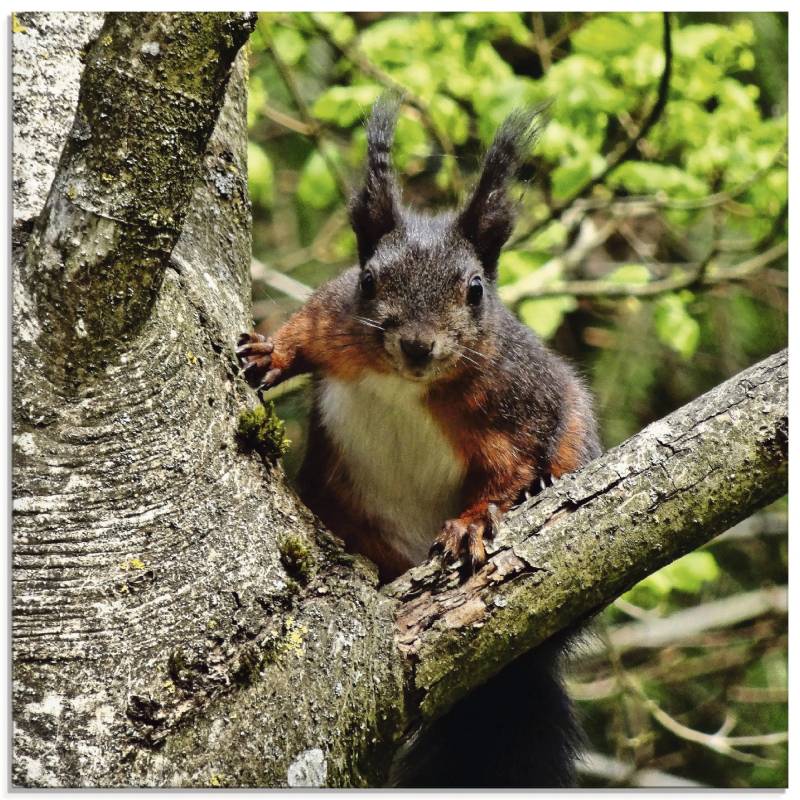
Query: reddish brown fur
[568,452]
[313,340]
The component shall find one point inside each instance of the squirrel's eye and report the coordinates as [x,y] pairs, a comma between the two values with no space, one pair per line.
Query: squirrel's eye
[367,282]
[475,291]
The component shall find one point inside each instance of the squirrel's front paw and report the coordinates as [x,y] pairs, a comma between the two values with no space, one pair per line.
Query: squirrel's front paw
[463,538]
[255,355]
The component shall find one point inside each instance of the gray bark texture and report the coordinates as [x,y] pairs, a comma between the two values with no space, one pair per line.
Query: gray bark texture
[179,618]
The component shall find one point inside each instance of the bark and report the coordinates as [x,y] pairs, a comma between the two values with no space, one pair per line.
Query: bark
[178,617]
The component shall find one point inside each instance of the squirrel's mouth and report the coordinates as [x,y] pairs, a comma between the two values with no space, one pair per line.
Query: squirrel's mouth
[419,359]
[429,372]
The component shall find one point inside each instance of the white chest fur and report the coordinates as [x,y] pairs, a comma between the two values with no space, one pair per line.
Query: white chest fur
[403,469]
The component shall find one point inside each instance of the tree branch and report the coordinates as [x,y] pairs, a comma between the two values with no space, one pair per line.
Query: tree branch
[697,277]
[150,94]
[573,549]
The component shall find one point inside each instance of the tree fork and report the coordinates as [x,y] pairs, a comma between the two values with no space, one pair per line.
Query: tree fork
[162,632]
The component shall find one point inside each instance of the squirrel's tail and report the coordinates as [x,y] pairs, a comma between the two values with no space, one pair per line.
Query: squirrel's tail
[518,730]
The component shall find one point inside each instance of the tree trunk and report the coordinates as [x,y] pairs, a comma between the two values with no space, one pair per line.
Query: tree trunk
[179,618]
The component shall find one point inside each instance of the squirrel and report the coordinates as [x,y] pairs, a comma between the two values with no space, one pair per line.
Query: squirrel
[434,409]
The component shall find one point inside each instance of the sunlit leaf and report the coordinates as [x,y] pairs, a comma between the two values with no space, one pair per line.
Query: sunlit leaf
[317,186]
[260,175]
[674,326]
[544,314]
[345,105]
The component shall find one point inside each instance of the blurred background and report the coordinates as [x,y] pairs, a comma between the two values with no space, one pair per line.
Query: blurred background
[651,250]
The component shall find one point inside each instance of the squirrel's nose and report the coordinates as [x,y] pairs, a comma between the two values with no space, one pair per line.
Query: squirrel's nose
[416,351]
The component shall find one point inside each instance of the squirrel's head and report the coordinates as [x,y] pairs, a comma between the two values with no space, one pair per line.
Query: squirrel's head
[427,282]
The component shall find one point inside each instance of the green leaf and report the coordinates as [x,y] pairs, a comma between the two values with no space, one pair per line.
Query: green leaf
[642,177]
[569,178]
[450,118]
[630,273]
[391,41]
[579,82]
[257,97]
[606,35]
[411,146]
[260,176]
[317,186]
[688,574]
[675,327]
[550,237]
[344,105]
[496,25]
[290,44]
[543,315]
[516,264]
[341,28]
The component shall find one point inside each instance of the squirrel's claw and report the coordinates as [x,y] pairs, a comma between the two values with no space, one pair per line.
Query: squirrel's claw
[254,352]
[539,485]
[462,539]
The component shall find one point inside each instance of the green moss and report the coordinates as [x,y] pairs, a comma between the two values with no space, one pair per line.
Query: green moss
[261,429]
[296,557]
[132,564]
[292,588]
[247,665]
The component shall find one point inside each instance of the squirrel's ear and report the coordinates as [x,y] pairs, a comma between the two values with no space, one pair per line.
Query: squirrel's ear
[488,217]
[374,209]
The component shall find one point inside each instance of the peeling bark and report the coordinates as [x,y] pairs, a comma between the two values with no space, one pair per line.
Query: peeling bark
[162,635]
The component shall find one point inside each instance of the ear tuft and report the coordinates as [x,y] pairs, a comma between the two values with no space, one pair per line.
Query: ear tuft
[488,217]
[374,209]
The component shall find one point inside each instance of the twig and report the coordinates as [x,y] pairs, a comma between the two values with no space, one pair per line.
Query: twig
[356,57]
[287,121]
[766,523]
[628,774]
[758,694]
[683,625]
[540,41]
[719,742]
[569,28]
[623,151]
[736,653]
[315,130]
[632,610]
[696,277]
[536,283]
[280,281]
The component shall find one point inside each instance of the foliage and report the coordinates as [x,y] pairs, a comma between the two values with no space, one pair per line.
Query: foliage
[702,192]
[261,429]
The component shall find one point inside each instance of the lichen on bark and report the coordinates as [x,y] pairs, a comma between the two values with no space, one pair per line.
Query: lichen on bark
[159,635]
[151,92]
